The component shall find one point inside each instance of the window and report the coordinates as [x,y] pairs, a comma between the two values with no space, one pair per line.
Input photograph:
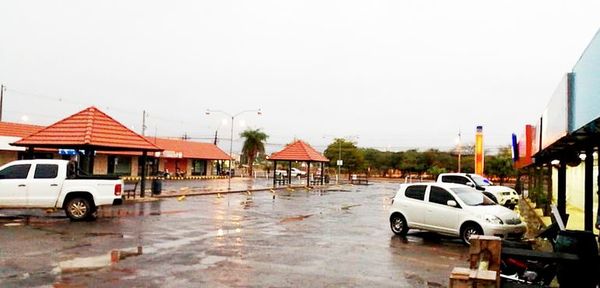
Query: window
[416,192]
[455,179]
[45,171]
[15,172]
[472,197]
[199,167]
[480,181]
[119,165]
[439,195]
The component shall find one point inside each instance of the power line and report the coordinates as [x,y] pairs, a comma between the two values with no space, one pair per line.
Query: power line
[111,108]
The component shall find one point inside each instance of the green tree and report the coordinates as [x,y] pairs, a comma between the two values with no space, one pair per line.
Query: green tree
[376,161]
[501,165]
[414,162]
[254,143]
[434,171]
[351,156]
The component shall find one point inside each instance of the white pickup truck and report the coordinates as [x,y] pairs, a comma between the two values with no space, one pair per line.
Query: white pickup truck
[51,184]
[502,195]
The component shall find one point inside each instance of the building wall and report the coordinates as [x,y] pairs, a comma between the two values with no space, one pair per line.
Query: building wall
[188,169]
[134,165]
[101,164]
[210,164]
[576,188]
[7,156]
[161,164]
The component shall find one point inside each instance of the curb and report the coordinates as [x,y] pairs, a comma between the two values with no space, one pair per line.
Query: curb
[202,193]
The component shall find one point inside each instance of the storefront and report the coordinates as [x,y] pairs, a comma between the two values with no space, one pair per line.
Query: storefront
[180,158]
[559,153]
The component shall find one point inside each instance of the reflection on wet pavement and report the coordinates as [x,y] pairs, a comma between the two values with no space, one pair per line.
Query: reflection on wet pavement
[293,219]
[314,238]
[96,262]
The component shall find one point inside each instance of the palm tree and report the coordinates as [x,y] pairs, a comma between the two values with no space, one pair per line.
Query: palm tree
[253,144]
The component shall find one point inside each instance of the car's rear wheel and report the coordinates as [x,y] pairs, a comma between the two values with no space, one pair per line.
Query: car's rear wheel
[469,230]
[80,209]
[398,224]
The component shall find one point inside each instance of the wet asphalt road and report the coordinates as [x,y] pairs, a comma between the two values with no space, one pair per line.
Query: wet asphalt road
[338,238]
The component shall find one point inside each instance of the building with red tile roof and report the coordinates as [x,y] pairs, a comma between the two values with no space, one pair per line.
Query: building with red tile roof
[298,151]
[190,158]
[18,129]
[88,129]
[11,132]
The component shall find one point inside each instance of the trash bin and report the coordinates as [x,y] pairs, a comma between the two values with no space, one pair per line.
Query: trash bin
[156,186]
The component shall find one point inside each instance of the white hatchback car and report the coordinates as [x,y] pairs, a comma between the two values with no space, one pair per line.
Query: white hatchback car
[452,209]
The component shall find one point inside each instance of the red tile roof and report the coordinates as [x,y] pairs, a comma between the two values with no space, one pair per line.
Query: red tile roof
[187,149]
[299,151]
[190,149]
[88,128]
[17,129]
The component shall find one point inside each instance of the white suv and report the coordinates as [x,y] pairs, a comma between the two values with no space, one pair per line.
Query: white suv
[451,209]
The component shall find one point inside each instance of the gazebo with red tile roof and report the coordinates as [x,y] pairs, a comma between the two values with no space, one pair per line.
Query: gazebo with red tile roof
[298,151]
[90,130]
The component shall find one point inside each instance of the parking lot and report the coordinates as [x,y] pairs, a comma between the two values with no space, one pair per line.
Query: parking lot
[310,238]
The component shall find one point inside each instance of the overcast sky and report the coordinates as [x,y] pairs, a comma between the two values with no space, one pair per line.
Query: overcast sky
[389,74]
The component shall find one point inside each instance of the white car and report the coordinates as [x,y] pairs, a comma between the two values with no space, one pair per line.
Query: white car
[295,172]
[451,209]
[298,172]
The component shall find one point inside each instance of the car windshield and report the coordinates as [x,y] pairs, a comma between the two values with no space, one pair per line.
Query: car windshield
[472,197]
[481,181]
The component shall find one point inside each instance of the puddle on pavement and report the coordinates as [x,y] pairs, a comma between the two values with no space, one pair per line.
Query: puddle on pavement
[247,203]
[83,264]
[22,220]
[295,218]
[210,261]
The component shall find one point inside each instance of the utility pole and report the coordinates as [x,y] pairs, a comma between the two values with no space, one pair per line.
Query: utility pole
[2,88]
[216,137]
[144,123]
[459,150]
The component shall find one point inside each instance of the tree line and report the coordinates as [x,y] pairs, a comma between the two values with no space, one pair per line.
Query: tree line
[431,162]
[374,162]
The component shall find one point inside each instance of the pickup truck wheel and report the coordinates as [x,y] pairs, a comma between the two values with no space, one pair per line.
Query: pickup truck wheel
[80,209]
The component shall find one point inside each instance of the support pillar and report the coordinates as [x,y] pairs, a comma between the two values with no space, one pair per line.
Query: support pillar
[322,173]
[548,190]
[598,183]
[30,153]
[561,203]
[274,173]
[529,181]
[289,173]
[89,154]
[308,175]
[143,180]
[589,191]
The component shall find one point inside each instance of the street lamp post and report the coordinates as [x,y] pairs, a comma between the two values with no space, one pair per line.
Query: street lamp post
[337,179]
[459,148]
[208,111]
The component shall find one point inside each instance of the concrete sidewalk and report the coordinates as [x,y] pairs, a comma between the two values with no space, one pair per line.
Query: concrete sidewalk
[536,220]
